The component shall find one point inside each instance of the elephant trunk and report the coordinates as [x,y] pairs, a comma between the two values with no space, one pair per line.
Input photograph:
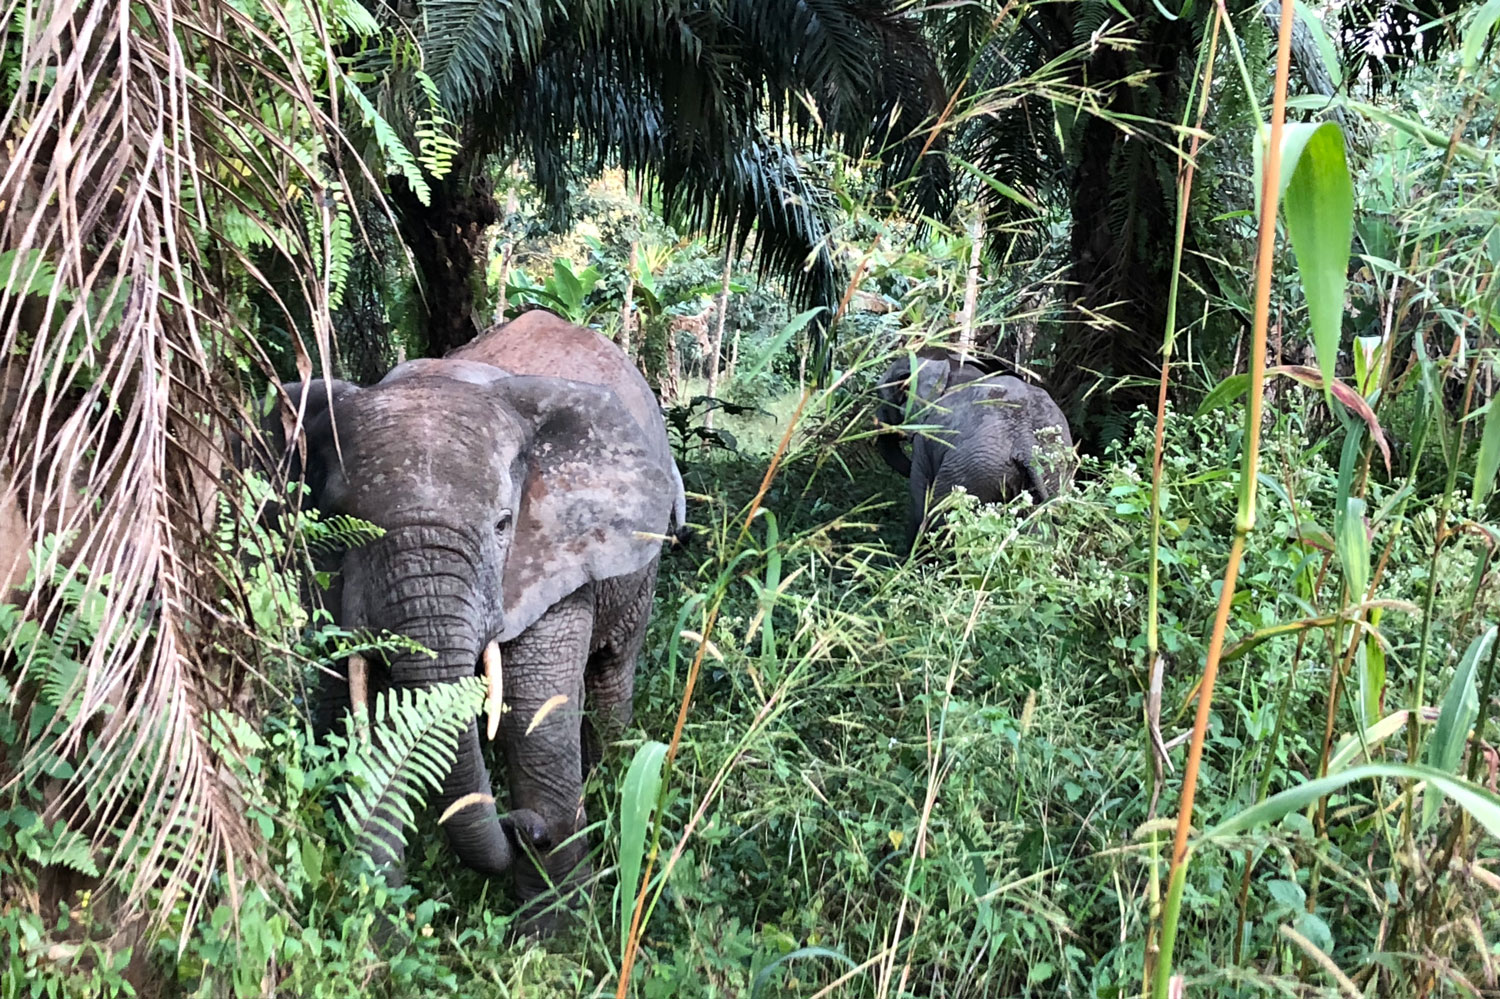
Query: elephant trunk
[432,595]
[888,444]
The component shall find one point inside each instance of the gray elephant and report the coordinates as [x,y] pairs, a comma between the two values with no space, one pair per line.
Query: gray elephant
[525,485]
[993,434]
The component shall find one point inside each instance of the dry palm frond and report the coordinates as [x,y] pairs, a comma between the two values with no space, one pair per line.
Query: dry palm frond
[139,139]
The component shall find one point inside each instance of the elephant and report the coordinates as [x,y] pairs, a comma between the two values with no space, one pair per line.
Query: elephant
[524,484]
[991,433]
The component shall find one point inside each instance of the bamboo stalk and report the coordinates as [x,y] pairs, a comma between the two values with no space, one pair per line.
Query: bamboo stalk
[1245,519]
[1169,338]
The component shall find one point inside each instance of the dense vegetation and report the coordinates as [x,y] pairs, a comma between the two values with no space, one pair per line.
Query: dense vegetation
[958,774]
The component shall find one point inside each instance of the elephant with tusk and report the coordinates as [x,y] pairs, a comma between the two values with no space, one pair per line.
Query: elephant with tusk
[525,485]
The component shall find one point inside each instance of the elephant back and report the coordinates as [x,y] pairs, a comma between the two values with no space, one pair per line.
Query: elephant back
[1035,407]
[543,343]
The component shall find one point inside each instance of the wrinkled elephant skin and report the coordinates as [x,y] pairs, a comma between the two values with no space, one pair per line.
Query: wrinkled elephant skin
[992,434]
[520,508]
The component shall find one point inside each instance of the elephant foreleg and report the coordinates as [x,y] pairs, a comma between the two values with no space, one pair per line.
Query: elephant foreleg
[543,670]
[624,609]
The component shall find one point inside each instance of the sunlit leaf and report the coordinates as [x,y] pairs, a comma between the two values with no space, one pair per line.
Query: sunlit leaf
[1353,745]
[1318,199]
[638,798]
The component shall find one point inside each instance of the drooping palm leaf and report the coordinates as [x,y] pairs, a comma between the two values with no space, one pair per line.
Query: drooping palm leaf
[704,99]
[149,145]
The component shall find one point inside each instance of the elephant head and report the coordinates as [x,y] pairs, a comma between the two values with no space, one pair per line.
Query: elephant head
[912,380]
[498,495]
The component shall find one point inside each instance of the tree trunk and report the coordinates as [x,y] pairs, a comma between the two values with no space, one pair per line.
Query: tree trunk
[627,311]
[446,242]
[1123,207]
[971,286]
[718,340]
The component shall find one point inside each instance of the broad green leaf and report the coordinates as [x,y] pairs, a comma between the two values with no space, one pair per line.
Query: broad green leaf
[1224,393]
[1326,50]
[1489,453]
[1459,709]
[1477,801]
[1318,198]
[1371,666]
[1288,893]
[765,973]
[1352,745]
[1478,32]
[1354,547]
[638,797]
[1312,926]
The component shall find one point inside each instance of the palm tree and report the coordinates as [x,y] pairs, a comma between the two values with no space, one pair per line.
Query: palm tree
[707,100]
[1073,107]
[150,146]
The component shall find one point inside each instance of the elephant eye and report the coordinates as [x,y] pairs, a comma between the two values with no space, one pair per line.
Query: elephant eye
[502,522]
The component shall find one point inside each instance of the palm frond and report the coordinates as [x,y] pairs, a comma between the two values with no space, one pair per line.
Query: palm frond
[706,100]
[132,129]
[466,44]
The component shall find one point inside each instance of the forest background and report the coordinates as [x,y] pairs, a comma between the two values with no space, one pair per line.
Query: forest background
[971,773]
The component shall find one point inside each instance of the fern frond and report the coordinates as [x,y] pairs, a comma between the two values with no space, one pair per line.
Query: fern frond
[413,743]
[398,158]
[331,534]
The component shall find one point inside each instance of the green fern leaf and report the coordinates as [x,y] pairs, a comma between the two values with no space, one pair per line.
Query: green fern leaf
[398,158]
[411,747]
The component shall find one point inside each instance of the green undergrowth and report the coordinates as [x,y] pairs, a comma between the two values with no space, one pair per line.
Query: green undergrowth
[932,775]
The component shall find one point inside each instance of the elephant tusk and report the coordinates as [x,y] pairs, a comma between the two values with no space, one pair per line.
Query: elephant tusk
[494,696]
[359,692]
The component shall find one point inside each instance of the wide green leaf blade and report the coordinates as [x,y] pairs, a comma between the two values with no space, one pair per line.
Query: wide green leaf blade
[1478,802]
[1489,453]
[1355,744]
[638,797]
[1318,198]
[1460,707]
[1353,545]
[1371,674]
[1326,50]
[1224,393]
[1477,33]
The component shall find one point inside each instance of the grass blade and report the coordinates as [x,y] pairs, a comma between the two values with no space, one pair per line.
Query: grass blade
[1478,802]
[637,799]
[1489,454]
[1460,707]
[800,952]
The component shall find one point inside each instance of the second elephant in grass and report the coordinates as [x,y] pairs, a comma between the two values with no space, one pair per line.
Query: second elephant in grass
[524,485]
[992,434]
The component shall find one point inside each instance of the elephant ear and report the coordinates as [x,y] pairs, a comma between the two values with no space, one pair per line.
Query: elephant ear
[596,498]
[318,400]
